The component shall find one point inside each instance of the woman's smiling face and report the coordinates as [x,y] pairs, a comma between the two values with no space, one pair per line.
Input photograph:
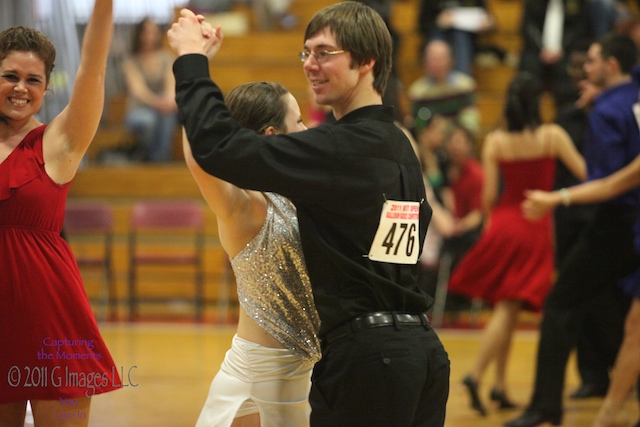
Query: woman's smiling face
[22,85]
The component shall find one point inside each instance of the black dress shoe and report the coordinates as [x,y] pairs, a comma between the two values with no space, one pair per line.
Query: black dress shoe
[502,400]
[532,418]
[586,391]
[472,388]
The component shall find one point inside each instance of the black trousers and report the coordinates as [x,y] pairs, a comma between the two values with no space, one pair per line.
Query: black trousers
[601,336]
[602,255]
[381,377]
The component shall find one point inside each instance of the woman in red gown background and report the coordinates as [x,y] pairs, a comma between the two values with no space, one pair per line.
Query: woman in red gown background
[511,265]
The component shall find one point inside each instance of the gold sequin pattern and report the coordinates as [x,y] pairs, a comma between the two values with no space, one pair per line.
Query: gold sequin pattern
[273,284]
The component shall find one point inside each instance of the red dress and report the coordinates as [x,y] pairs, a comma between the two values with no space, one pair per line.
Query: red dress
[513,258]
[50,346]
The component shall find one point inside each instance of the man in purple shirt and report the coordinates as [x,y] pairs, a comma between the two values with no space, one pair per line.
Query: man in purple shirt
[604,253]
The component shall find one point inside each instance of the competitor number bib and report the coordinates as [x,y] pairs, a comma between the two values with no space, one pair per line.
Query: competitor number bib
[396,240]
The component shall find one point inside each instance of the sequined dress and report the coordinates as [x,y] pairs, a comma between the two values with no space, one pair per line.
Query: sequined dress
[50,344]
[273,284]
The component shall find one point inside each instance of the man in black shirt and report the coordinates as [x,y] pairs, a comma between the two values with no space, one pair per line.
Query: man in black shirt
[360,199]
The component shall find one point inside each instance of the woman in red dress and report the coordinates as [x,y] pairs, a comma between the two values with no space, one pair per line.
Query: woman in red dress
[511,265]
[52,353]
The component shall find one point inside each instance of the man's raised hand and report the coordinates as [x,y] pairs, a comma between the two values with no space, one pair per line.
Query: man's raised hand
[192,34]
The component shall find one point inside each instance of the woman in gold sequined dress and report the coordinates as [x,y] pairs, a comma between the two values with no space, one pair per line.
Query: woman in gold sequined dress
[265,377]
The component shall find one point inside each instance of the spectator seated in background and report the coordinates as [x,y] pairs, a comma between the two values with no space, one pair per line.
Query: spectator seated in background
[443,91]
[465,178]
[430,139]
[273,13]
[151,109]
[551,29]
[630,26]
[210,6]
[607,14]
[457,22]
[430,136]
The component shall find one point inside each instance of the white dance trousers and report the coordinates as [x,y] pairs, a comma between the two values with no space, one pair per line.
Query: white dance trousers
[253,378]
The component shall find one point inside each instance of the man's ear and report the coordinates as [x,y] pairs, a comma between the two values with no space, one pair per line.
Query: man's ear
[368,66]
[613,63]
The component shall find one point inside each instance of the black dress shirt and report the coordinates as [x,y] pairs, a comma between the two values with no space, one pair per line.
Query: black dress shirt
[338,176]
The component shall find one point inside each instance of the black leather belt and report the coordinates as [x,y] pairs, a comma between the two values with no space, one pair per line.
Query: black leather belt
[376,320]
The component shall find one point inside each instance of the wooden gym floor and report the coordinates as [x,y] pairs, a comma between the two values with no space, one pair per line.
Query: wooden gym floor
[167,368]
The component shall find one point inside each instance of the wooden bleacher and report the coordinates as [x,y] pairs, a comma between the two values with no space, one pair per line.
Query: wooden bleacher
[267,55]
[120,187]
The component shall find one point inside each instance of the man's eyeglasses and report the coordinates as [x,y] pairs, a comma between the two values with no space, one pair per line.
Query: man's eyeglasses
[322,56]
